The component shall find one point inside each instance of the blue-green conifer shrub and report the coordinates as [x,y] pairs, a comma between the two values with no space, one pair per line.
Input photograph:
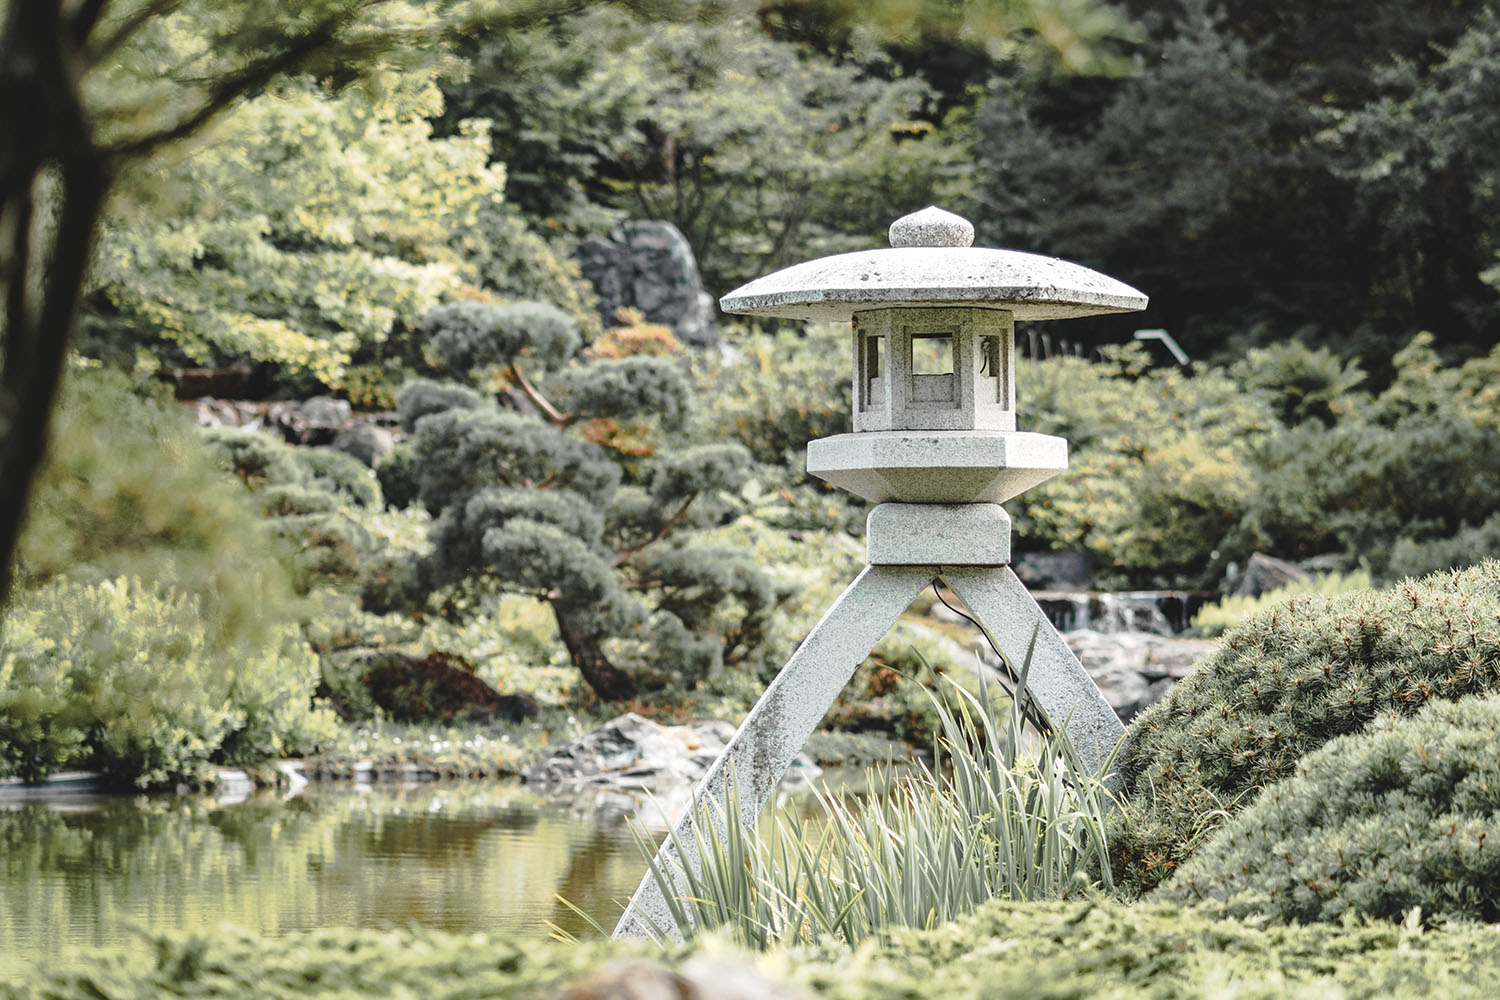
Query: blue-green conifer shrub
[1284,682]
[1402,815]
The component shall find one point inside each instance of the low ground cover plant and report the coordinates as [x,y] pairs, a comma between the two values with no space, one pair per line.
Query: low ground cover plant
[1003,951]
[1283,683]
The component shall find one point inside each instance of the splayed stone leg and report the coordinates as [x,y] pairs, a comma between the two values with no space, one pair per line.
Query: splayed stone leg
[1057,683]
[785,716]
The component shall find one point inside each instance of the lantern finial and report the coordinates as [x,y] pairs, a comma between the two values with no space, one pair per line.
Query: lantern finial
[932,227]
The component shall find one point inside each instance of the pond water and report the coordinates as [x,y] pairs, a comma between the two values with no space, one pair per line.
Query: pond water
[464,857]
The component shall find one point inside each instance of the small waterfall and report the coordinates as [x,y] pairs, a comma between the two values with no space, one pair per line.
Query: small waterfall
[1159,612]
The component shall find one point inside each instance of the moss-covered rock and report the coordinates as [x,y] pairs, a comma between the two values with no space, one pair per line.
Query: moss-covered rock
[1284,682]
[1405,814]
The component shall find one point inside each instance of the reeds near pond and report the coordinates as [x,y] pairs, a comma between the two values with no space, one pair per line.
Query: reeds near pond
[1004,814]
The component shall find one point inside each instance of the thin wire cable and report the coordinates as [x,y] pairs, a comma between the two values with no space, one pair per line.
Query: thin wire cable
[1027,703]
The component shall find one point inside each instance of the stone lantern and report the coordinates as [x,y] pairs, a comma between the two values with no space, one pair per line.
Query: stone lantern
[935,447]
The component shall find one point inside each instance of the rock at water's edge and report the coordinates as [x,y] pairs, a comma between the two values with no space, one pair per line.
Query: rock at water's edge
[631,753]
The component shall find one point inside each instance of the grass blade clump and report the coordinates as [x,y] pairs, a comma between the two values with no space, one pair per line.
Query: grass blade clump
[991,821]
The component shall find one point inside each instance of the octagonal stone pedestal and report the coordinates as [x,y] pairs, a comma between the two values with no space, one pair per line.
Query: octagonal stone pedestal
[937,466]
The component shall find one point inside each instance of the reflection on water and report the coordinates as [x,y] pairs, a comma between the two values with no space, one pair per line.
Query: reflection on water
[460,857]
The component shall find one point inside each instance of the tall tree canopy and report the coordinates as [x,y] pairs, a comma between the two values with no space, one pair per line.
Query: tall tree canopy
[1271,167]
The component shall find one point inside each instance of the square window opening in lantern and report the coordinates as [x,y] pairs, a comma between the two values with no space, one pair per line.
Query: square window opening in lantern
[932,354]
[992,365]
[932,379]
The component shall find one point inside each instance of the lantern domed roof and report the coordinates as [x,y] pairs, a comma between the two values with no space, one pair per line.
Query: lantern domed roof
[931,263]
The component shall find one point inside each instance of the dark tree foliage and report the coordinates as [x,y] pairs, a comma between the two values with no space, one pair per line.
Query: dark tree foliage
[1271,167]
[526,503]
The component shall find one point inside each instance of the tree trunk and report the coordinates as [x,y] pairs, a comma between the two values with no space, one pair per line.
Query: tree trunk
[41,115]
[607,681]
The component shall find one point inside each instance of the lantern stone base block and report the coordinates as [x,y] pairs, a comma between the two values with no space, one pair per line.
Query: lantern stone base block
[926,534]
[792,707]
[937,467]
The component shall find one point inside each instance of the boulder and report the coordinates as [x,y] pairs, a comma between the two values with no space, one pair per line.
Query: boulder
[649,266]
[1054,570]
[312,421]
[633,753]
[1135,670]
[366,442]
[702,977]
[1264,574]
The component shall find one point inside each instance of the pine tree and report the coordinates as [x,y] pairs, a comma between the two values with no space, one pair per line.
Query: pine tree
[562,489]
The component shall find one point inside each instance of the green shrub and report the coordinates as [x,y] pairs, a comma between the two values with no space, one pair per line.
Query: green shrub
[1401,815]
[1469,546]
[1212,619]
[323,548]
[318,502]
[1161,466]
[340,474]
[777,392]
[130,679]
[397,474]
[129,487]
[1281,684]
[262,461]
[257,458]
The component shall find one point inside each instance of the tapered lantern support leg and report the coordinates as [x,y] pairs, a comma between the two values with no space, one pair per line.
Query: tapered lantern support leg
[777,728]
[1056,682]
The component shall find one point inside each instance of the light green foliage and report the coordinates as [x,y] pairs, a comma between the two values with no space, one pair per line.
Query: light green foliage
[1004,951]
[1397,817]
[129,678]
[312,228]
[1213,619]
[1281,684]
[1160,465]
[1301,383]
[308,230]
[996,821]
[129,488]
